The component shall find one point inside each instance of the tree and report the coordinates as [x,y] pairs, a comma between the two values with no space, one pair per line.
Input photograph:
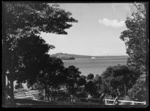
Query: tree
[90,87]
[35,16]
[136,40]
[26,59]
[90,76]
[57,77]
[51,75]
[97,81]
[117,80]
[24,18]
[138,91]
[31,50]
[72,77]
[82,80]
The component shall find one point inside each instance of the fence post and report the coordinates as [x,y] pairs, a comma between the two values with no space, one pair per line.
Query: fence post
[105,101]
[133,103]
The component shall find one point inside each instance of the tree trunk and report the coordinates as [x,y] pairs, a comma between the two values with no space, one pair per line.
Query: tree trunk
[48,94]
[3,88]
[12,91]
[52,96]
[125,90]
[45,92]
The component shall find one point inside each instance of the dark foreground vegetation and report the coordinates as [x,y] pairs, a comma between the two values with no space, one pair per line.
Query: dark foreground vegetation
[25,57]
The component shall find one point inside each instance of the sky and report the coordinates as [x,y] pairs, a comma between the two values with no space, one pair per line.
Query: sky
[97,32]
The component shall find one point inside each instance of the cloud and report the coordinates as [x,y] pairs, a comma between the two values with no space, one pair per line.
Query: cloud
[112,23]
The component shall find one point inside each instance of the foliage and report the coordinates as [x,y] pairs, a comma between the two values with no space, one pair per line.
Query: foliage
[137,47]
[90,76]
[23,19]
[138,91]
[32,16]
[135,38]
[82,80]
[18,86]
[81,84]
[72,73]
[97,81]
[117,80]
[90,88]
[82,94]
[51,75]
[56,69]
[31,50]
[27,20]
[72,76]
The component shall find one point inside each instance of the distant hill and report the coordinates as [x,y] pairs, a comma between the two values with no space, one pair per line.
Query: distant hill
[65,56]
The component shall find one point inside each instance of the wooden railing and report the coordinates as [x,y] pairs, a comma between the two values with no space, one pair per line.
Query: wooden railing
[123,102]
[97,101]
[23,95]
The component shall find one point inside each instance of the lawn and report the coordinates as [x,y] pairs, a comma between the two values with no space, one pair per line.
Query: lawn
[48,104]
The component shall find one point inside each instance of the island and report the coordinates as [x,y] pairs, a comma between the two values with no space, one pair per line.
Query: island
[63,56]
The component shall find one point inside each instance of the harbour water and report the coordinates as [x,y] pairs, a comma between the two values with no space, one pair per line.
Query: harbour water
[96,65]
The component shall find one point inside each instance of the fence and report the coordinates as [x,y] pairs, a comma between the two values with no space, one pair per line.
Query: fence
[123,102]
[21,95]
[96,101]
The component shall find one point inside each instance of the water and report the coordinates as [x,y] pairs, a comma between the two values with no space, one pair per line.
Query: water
[95,66]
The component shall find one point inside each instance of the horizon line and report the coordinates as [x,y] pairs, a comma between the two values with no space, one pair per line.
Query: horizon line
[86,54]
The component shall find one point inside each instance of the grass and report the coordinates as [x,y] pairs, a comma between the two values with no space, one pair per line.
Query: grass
[46,104]
[28,102]
[60,101]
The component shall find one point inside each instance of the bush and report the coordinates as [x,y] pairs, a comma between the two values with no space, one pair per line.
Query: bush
[117,80]
[82,94]
[62,94]
[138,91]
